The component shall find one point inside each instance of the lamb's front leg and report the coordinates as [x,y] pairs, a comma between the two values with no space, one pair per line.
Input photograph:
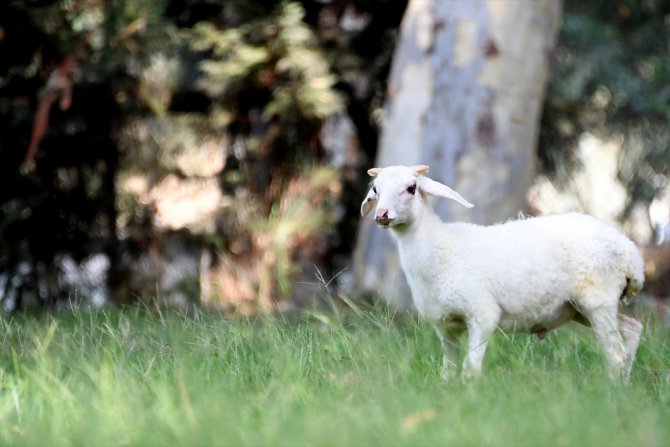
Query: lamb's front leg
[478,338]
[448,335]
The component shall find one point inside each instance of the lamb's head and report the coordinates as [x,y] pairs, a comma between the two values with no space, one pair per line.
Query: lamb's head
[398,191]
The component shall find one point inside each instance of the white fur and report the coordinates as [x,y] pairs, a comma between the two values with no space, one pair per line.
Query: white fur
[528,275]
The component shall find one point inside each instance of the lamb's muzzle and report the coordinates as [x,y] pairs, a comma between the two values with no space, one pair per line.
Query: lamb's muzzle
[382,217]
[529,275]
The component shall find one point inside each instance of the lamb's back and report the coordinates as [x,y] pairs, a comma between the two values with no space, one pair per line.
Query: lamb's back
[532,262]
[555,254]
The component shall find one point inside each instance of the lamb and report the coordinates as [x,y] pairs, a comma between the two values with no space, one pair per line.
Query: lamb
[526,275]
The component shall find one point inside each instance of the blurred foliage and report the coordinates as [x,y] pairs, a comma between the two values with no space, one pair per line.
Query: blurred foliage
[192,163]
[264,254]
[278,54]
[65,204]
[612,79]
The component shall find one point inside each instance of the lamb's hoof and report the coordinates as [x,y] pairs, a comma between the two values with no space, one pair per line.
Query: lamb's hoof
[448,375]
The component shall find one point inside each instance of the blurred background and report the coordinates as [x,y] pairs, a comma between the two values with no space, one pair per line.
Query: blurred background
[213,153]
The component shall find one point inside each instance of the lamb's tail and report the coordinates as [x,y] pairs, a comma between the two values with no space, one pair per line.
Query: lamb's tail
[634,273]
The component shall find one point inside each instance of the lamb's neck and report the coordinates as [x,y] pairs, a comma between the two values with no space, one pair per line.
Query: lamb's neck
[423,226]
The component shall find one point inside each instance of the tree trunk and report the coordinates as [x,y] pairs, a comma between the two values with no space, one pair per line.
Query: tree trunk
[465,96]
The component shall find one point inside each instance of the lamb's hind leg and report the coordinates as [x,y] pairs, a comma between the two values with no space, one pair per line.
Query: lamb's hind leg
[603,320]
[631,332]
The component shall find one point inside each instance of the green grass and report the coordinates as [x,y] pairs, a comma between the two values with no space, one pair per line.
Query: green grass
[141,378]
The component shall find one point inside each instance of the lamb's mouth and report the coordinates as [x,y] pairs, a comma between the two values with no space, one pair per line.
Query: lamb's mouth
[384,222]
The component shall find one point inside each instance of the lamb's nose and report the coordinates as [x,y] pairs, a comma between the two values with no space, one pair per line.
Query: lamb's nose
[382,217]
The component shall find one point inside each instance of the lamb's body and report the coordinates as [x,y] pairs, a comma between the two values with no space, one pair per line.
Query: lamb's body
[528,275]
[535,273]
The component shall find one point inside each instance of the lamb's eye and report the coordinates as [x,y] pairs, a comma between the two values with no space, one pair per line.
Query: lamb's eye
[374,189]
[411,189]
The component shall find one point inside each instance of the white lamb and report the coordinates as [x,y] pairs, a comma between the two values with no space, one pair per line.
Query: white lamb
[529,275]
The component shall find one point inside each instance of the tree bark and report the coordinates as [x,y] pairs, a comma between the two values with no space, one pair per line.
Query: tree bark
[465,97]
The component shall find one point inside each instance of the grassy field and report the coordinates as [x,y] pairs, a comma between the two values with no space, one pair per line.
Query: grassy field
[142,378]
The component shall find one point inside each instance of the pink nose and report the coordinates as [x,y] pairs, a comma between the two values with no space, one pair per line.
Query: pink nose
[382,217]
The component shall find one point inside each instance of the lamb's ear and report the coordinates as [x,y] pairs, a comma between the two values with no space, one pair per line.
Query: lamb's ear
[438,189]
[420,169]
[374,172]
[368,203]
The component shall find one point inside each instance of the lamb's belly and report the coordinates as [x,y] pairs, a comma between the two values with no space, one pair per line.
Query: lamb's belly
[543,319]
[428,307]
[431,306]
